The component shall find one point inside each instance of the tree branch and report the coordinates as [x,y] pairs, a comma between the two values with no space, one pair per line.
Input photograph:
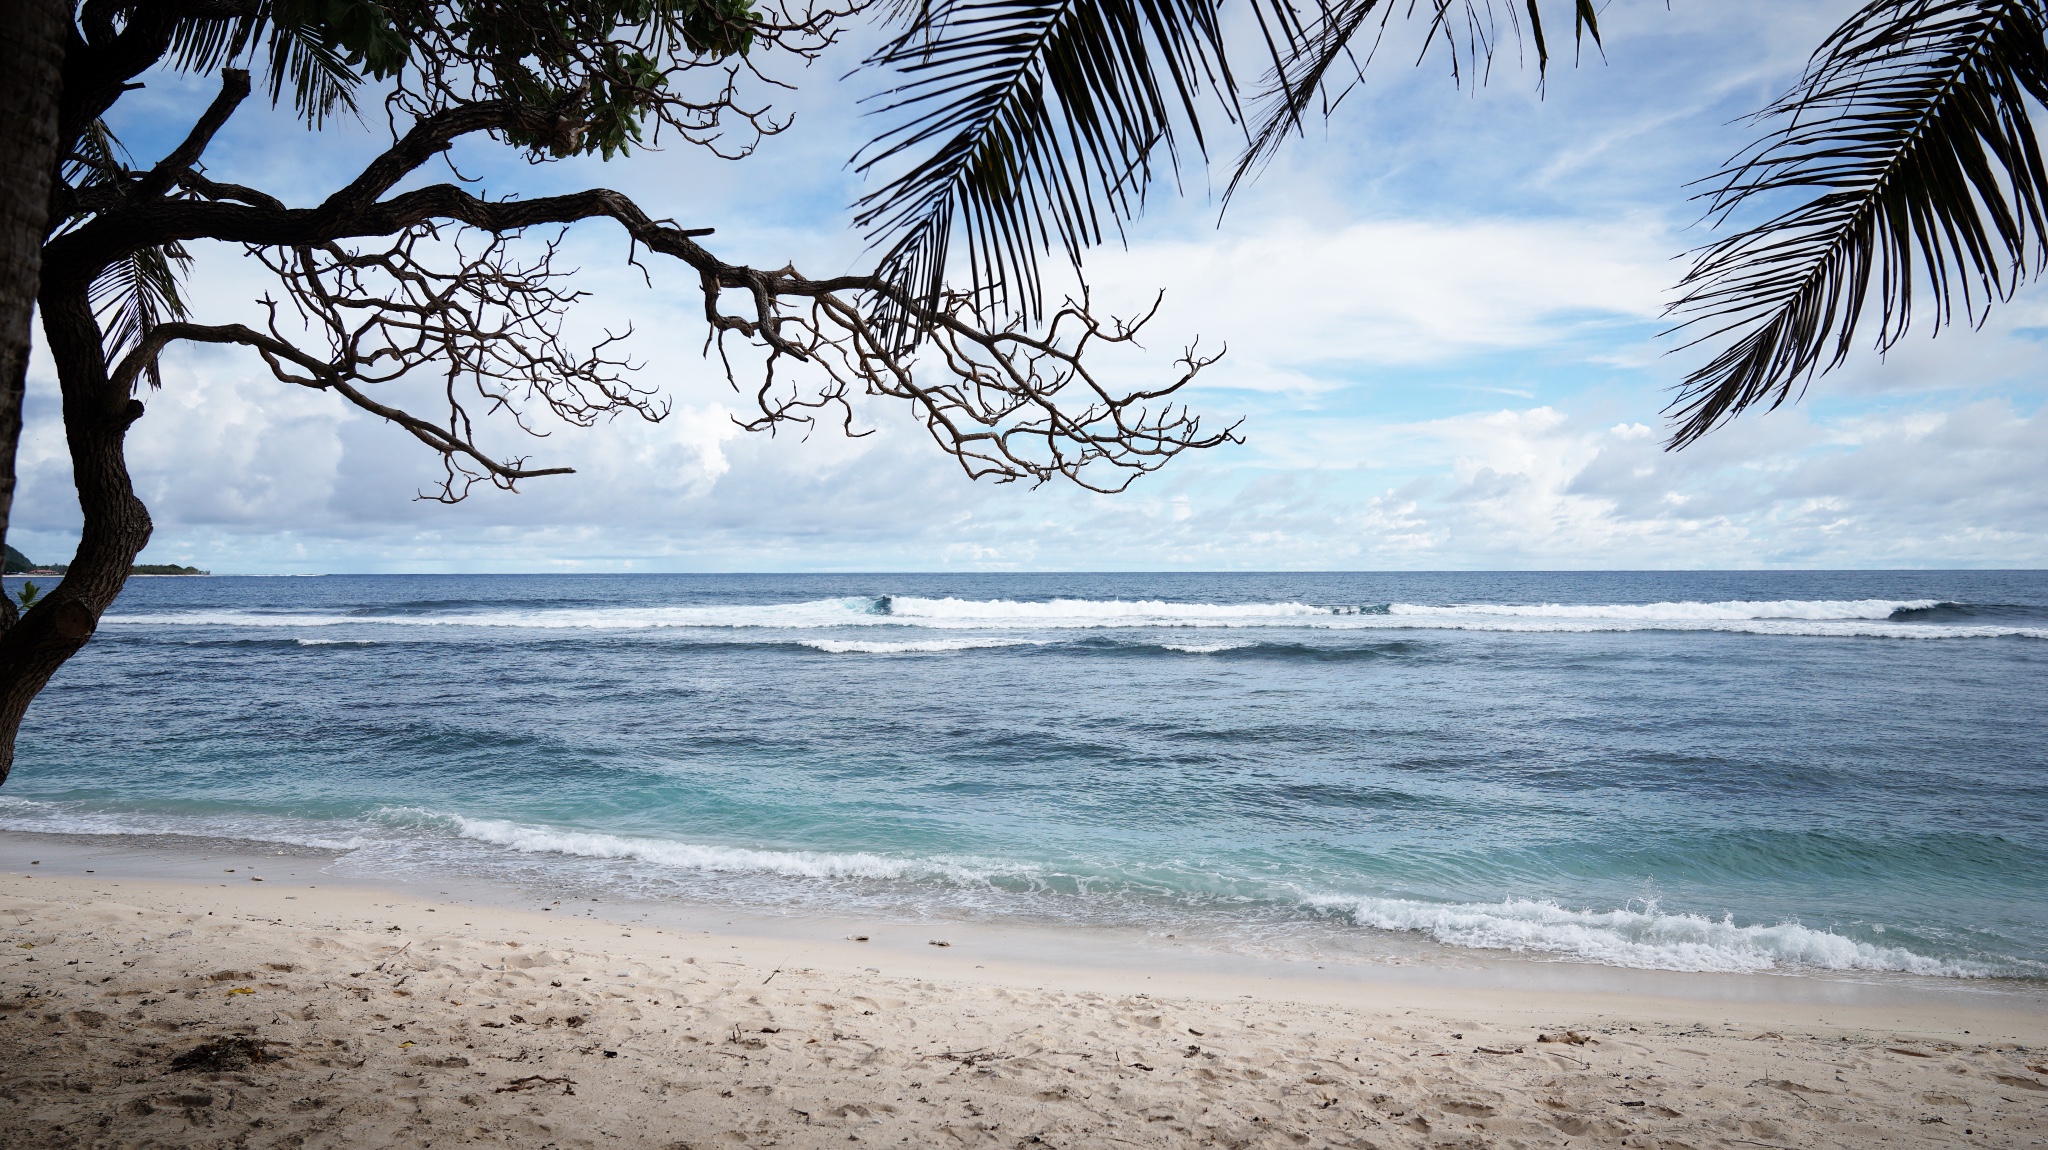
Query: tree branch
[429,137]
[321,376]
[199,185]
[234,88]
[1004,403]
[999,405]
[98,70]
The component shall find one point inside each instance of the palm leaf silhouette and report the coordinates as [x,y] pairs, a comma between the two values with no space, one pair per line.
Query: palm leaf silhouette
[1034,125]
[137,292]
[141,289]
[1327,63]
[1029,126]
[1911,131]
[303,51]
[98,158]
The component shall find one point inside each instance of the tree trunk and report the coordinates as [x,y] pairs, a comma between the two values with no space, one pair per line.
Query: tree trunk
[32,41]
[96,421]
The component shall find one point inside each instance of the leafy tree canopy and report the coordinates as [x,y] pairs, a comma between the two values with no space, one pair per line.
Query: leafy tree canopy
[599,65]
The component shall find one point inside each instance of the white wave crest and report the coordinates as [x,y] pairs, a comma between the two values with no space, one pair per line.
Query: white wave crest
[703,857]
[336,642]
[1093,612]
[1204,648]
[927,647]
[1646,939]
[817,613]
[1729,610]
[1837,618]
[891,611]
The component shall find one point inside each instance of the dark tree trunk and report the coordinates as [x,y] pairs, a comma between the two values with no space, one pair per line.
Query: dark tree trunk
[96,420]
[32,41]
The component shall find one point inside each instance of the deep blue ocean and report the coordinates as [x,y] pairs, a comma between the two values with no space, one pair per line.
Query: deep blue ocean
[1707,771]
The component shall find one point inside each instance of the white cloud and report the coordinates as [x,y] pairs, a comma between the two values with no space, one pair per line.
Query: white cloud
[1298,302]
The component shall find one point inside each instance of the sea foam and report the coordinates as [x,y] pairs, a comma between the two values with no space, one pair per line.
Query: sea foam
[1642,936]
[1646,938]
[41,816]
[706,857]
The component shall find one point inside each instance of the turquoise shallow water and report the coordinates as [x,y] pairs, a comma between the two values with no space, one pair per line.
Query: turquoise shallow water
[1737,772]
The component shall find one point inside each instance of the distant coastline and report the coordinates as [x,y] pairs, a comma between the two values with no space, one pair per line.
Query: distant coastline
[19,564]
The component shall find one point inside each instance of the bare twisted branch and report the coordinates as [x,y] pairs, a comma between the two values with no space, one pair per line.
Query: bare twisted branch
[1006,404]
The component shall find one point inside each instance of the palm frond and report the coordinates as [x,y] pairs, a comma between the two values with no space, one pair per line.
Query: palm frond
[321,78]
[1585,23]
[1911,134]
[1034,125]
[98,157]
[303,51]
[138,292]
[1304,77]
[1328,62]
[1029,126]
[205,43]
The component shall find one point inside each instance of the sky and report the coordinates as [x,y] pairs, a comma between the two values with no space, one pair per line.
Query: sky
[1442,310]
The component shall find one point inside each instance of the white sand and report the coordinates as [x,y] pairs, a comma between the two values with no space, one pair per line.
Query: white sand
[380,1021]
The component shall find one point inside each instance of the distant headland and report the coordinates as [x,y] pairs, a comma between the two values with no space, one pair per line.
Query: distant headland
[19,564]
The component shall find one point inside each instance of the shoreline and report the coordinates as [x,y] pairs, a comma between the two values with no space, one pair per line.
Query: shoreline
[1003,956]
[1404,963]
[294,1012]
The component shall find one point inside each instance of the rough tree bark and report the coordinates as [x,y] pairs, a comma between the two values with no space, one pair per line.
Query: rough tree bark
[31,61]
[116,524]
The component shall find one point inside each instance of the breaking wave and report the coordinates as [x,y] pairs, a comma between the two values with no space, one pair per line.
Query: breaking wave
[927,647]
[1641,935]
[1839,618]
[721,859]
[1646,939]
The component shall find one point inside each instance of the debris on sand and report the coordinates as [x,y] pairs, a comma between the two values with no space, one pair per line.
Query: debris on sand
[217,1055]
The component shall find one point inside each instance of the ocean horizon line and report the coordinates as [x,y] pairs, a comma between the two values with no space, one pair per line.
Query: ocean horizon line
[1105,571]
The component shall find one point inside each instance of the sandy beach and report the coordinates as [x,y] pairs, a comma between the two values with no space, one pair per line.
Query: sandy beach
[287,1012]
